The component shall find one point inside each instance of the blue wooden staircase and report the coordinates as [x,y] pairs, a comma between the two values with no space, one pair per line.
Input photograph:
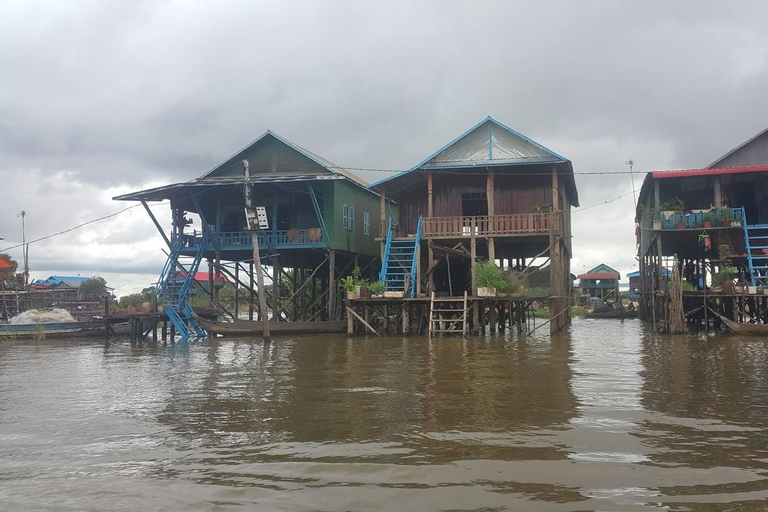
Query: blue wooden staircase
[175,284]
[400,261]
[756,239]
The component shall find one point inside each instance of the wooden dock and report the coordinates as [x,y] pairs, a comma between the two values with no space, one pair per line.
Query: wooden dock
[408,315]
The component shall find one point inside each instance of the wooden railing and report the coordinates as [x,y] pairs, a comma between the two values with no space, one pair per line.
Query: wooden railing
[496,225]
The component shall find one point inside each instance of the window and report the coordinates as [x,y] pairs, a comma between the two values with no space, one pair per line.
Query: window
[366,223]
[345,217]
[351,218]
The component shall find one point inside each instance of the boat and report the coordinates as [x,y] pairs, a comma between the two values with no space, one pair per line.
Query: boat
[252,327]
[738,328]
[612,314]
[51,330]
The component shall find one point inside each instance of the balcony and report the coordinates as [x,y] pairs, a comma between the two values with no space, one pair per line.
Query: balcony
[496,226]
[696,219]
[310,238]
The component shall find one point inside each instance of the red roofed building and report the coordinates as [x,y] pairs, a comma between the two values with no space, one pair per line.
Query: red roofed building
[602,281]
[711,224]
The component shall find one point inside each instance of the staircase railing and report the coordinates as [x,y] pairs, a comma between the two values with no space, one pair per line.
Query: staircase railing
[385,259]
[416,242]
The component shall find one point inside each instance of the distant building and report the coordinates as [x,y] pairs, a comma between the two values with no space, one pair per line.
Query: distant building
[634,280]
[602,281]
[65,288]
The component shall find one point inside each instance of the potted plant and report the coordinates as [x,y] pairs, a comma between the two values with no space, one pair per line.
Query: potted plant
[348,283]
[489,278]
[377,289]
[725,218]
[706,219]
[724,275]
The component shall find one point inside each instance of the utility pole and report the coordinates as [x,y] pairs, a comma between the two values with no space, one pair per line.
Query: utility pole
[253,226]
[631,164]
[24,248]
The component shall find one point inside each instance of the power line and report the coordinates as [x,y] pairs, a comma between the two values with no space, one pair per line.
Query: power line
[604,202]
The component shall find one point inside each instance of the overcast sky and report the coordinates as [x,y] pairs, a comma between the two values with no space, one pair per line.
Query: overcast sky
[99,98]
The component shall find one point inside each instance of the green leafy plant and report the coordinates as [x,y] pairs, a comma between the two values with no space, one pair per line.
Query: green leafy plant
[726,216]
[724,274]
[348,283]
[675,204]
[687,287]
[488,275]
[725,251]
[377,287]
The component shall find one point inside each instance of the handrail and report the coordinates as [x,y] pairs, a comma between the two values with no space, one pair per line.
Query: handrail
[385,259]
[493,225]
[417,241]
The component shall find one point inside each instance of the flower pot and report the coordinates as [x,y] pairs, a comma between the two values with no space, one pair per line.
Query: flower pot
[482,291]
[351,295]
[364,292]
[394,294]
[681,225]
[707,223]
[728,287]
[656,224]
[726,223]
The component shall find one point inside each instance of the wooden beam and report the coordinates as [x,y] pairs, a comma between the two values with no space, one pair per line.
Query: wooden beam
[256,258]
[430,206]
[331,284]
[352,311]
[718,193]
[157,224]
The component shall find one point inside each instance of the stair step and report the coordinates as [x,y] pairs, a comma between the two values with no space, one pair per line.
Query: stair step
[448,330]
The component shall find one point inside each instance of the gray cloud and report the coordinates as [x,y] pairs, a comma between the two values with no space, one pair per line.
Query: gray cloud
[100,95]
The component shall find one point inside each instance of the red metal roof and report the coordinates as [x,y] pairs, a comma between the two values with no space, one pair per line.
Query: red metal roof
[599,275]
[4,264]
[708,172]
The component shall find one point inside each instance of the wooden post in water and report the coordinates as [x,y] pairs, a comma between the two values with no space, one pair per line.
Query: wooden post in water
[256,258]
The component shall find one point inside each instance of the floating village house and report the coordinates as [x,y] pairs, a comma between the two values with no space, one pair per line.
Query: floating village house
[318,227]
[711,227]
[601,282]
[493,194]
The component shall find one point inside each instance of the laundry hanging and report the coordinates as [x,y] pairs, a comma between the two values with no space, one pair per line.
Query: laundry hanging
[705,242]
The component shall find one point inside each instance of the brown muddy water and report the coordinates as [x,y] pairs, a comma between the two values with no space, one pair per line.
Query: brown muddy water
[605,417]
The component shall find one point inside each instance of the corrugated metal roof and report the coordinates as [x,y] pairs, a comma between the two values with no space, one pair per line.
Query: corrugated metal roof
[599,275]
[166,192]
[714,164]
[708,172]
[490,144]
[319,160]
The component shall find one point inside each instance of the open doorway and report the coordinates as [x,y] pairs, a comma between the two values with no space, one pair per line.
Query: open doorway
[473,204]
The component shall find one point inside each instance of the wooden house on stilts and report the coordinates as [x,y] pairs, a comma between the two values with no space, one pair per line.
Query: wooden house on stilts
[492,193]
[318,228]
[709,227]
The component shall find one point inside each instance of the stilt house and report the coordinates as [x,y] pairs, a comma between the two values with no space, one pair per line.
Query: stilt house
[711,226]
[319,226]
[601,282]
[492,193]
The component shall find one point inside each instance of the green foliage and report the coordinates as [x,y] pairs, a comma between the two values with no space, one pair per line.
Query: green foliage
[8,275]
[687,286]
[724,251]
[726,215]
[348,283]
[137,300]
[377,287]
[93,288]
[723,275]
[488,275]
[675,204]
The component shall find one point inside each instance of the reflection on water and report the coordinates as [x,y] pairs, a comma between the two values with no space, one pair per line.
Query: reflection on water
[606,417]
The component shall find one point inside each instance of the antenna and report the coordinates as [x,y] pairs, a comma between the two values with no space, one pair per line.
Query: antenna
[24,248]
[631,164]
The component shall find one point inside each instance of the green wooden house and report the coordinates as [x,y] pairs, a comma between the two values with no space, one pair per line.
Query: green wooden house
[322,222]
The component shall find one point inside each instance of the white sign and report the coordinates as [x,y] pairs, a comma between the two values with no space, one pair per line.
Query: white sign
[257,217]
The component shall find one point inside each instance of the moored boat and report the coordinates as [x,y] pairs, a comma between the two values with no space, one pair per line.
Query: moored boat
[249,327]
